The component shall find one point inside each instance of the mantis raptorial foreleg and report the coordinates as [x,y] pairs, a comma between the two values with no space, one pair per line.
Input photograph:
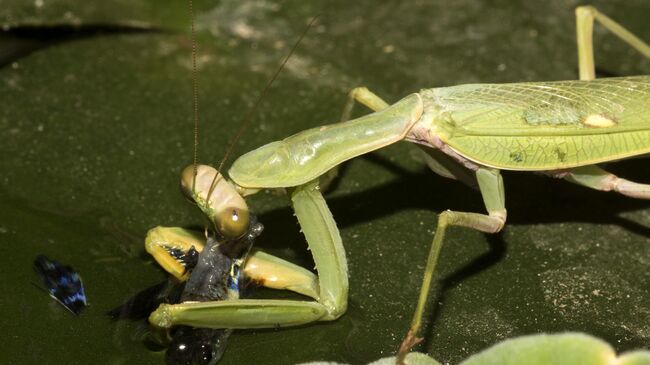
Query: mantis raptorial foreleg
[275,273]
[325,244]
[170,246]
[326,247]
[491,186]
[167,244]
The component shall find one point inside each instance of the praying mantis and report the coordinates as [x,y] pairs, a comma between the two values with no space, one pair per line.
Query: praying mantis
[561,129]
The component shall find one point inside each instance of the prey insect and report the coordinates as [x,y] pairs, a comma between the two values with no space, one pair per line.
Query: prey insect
[469,133]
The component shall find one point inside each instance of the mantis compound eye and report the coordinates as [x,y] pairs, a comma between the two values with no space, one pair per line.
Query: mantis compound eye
[232,222]
[187,183]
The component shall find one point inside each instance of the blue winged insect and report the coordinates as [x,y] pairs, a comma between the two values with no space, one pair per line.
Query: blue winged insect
[62,283]
[215,274]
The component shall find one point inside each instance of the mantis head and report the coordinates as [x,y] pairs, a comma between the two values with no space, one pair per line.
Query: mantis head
[217,198]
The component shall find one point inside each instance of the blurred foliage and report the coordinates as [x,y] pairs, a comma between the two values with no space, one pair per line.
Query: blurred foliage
[541,349]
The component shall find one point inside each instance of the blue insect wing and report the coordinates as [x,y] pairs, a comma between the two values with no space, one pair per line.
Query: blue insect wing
[62,283]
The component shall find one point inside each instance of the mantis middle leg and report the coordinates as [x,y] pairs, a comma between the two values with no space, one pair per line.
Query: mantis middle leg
[491,186]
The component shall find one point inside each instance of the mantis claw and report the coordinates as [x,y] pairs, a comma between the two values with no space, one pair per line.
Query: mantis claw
[405,347]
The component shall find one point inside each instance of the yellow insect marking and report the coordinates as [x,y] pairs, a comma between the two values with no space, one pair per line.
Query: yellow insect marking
[598,121]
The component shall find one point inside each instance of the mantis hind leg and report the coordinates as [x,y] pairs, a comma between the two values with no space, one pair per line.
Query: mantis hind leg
[596,178]
[491,186]
[585,16]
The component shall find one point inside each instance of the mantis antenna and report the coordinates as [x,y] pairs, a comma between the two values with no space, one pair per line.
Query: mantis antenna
[249,114]
[195,96]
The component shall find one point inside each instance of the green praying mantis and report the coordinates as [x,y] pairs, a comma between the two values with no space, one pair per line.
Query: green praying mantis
[469,133]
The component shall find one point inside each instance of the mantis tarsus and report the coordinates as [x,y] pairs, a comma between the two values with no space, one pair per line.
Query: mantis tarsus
[561,129]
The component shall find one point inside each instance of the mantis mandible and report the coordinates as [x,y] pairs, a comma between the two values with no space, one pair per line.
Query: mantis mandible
[469,132]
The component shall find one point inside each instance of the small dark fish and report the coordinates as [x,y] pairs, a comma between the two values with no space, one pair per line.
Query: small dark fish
[62,283]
